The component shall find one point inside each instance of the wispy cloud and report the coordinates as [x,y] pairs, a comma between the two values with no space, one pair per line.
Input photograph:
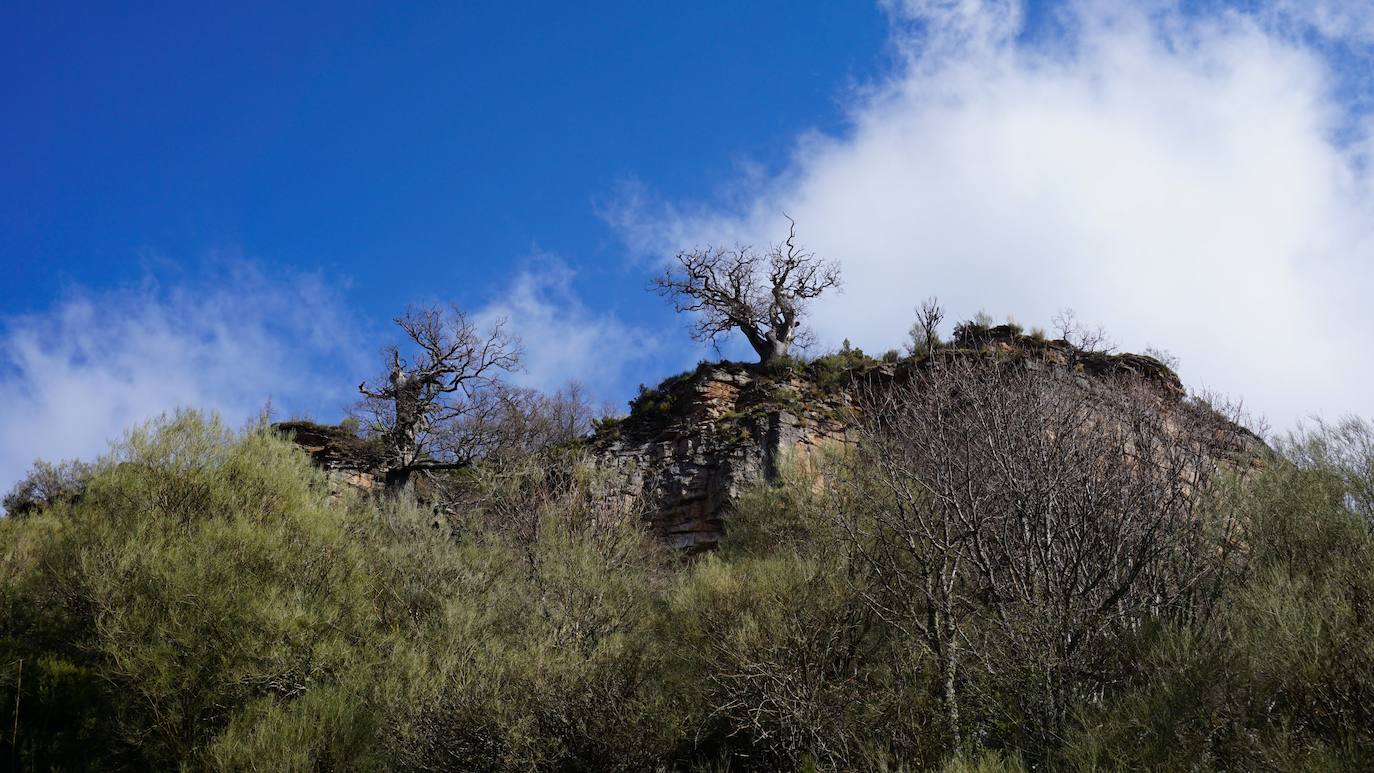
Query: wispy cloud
[1349,20]
[81,373]
[1195,182]
[562,339]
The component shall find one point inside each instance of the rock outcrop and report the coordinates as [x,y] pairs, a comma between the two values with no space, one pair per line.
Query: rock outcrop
[697,440]
[345,458]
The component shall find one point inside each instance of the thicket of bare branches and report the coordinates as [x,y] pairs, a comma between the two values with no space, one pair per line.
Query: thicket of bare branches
[1021,521]
[763,295]
[1080,337]
[523,421]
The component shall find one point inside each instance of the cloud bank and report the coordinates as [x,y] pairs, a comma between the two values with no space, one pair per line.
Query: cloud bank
[82,373]
[78,375]
[1191,182]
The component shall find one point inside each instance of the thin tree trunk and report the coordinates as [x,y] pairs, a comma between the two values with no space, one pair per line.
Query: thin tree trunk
[950,668]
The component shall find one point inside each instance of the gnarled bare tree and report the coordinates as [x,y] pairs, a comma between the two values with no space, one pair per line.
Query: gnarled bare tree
[763,295]
[433,409]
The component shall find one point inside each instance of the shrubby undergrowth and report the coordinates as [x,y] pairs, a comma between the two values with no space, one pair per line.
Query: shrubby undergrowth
[198,600]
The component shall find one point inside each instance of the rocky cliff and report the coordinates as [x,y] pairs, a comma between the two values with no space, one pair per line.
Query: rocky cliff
[698,439]
[693,443]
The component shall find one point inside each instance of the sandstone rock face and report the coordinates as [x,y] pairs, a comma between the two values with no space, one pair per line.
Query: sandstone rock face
[699,439]
[690,446]
[346,459]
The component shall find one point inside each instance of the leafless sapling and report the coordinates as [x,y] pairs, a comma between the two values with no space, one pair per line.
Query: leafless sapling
[925,331]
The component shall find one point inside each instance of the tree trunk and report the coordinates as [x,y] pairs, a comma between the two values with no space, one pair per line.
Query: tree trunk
[951,692]
[398,481]
[769,347]
[405,436]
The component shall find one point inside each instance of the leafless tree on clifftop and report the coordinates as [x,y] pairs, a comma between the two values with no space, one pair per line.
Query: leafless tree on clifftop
[763,295]
[925,331]
[434,409]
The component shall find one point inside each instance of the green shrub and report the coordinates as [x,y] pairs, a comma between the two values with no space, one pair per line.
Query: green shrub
[833,371]
[789,667]
[985,762]
[1283,678]
[204,603]
[200,573]
[775,644]
[546,650]
[47,485]
[327,728]
[657,401]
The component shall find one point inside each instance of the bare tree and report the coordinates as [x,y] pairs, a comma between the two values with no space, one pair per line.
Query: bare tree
[1080,337]
[925,331]
[1020,520]
[764,296]
[433,409]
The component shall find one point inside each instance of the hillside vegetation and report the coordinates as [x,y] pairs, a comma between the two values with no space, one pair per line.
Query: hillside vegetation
[200,598]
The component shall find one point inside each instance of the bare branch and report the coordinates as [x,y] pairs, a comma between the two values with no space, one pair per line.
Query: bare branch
[925,331]
[1019,516]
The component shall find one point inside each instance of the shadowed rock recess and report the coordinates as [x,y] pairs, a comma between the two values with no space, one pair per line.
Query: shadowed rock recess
[697,440]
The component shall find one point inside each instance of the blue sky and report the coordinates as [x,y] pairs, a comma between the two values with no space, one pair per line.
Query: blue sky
[414,149]
[221,206]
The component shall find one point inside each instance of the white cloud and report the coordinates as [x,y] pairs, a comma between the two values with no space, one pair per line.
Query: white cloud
[1175,178]
[562,340]
[1336,19]
[77,376]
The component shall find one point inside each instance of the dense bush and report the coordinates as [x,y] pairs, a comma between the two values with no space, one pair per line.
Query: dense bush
[47,485]
[204,602]
[1285,679]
